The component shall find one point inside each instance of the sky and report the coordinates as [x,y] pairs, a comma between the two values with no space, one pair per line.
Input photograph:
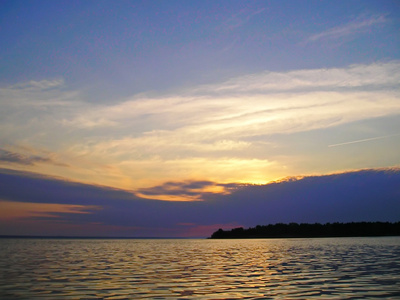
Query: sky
[177,118]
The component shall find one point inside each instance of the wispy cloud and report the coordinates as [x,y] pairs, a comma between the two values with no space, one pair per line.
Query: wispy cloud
[358,76]
[27,210]
[258,98]
[204,132]
[40,85]
[221,118]
[359,25]
[363,140]
[12,157]
[23,159]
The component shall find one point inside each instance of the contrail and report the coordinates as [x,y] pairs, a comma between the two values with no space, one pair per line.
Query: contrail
[364,140]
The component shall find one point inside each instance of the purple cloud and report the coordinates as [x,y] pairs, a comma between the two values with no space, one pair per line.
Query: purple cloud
[367,195]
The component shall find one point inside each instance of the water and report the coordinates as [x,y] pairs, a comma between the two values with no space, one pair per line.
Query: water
[337,268]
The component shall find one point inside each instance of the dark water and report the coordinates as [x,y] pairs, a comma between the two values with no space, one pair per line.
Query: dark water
[337,268]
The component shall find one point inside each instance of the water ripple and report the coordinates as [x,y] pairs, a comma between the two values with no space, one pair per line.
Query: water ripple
[344,268]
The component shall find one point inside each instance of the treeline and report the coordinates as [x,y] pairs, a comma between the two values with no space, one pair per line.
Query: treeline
[295,230]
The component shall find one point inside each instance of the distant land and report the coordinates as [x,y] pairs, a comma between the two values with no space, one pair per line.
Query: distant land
[305,230]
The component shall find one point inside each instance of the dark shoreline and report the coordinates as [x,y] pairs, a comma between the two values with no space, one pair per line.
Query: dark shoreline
[316,230]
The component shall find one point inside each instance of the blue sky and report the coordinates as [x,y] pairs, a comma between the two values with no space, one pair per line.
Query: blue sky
[140,46]
[148,96]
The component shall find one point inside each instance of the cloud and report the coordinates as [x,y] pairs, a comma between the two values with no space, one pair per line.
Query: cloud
[184,191]
[219,118]
[42,211]
[31,112]
[359,25]
[203,132]
[40,95]
[353,78]
[363,140]
[366,195]
[260,99]
[22,159]
[39,85]
[215,124]
[12,157]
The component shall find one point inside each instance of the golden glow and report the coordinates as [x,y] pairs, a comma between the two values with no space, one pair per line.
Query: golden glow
[226,132]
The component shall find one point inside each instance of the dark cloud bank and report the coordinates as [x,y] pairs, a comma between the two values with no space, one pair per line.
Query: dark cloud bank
[368,195]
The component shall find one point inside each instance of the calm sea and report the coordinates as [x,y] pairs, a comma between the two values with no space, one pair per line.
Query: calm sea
[337,268]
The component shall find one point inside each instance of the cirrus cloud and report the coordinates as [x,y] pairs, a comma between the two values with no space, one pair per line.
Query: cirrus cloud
[360,24]
[203,132]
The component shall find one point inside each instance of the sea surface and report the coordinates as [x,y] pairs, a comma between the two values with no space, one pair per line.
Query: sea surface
[326,268]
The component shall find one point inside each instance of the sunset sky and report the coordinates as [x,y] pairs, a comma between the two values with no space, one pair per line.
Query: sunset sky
[176,118]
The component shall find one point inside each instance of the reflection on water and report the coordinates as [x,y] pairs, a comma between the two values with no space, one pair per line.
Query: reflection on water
[336,268]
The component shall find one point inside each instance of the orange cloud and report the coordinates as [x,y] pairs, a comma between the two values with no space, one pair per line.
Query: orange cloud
[183,191]
[21,210]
